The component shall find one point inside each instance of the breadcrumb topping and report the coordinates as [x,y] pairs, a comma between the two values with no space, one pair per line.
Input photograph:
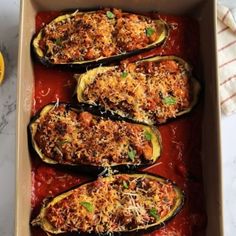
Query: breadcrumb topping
[113,204]
[92,35]
[68,137]
[153,91]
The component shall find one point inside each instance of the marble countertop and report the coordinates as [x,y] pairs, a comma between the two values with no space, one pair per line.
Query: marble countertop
[228,130]
[9,19]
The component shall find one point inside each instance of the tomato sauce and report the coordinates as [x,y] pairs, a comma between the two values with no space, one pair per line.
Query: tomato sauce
[181,139]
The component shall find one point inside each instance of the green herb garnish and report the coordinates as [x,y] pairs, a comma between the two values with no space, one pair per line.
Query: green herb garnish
[60,143]
[58,42]
[148,136]
[132,154]
[124,74]
[153,213]
[150,31]
[110,15]
[125,184]
[88,206]
[169,100]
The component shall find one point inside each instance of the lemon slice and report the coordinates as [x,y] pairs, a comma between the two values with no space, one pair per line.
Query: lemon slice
[2,68]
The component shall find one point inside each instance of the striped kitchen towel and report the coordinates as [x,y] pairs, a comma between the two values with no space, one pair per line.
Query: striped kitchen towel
[226,37]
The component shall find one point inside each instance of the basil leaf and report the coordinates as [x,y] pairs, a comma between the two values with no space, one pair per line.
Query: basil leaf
[60,143]
[132,154]
[169,100]
[148,136]
[150,31]
[153,213]
[58,42]
[125,184]
[110,15]
[124,74]
[88,206]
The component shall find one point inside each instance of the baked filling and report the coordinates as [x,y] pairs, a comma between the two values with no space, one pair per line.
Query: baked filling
[92,35]
[114,204]
[149,90]
[68,137]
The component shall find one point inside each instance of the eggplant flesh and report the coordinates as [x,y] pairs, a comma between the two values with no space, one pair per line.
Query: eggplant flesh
[56,46]
[98,86]
[76,137]
[117,204]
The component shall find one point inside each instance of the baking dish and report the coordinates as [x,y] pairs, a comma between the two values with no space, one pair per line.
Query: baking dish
[204,11]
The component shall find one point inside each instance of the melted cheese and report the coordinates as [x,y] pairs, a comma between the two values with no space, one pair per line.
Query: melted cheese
[71,138]
[113,206]
[149,90]
[92,35]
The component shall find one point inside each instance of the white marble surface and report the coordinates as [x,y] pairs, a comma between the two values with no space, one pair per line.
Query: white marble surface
[228,129]
[9,18]
[9,14]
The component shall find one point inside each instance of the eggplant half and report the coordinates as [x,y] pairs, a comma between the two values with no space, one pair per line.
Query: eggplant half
[117,204]
[73,136]
[149,91]
[92,38]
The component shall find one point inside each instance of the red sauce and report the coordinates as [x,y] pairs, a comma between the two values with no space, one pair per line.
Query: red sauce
[181,157]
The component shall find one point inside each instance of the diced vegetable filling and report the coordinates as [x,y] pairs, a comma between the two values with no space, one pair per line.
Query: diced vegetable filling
[92,35]
[69,137]
[147,90]
[114,204]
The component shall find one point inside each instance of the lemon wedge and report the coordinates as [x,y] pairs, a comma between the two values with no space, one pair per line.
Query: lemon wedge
[2,68]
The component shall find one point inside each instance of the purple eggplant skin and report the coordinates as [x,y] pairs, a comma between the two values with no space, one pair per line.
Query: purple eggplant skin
[84,168]
[181,196]
[84,65]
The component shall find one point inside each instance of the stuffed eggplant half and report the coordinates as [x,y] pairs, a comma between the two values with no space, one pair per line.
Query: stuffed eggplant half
[85,38]
[150,91]
[64,135]
[115,204]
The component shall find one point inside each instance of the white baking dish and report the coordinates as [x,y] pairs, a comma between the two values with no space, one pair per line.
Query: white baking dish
[204,11]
